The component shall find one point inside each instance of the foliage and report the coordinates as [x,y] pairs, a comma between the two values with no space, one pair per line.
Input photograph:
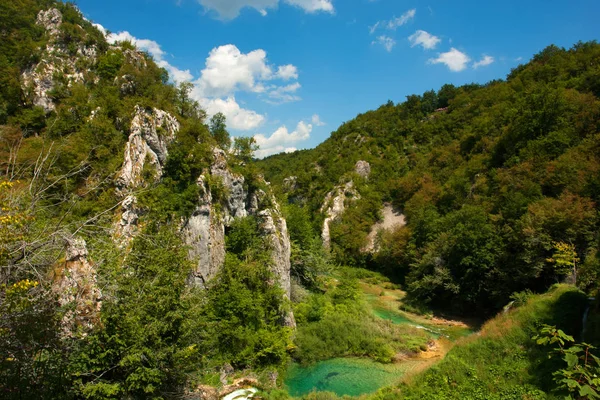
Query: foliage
[581,377]
[338,324]
[138,350]
[489,178]
[502,361]
[219,132]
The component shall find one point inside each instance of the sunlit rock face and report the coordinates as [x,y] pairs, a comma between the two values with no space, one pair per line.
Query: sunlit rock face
[334,205]
[204,231]
[146,152]
[56,62]
[363,169]
[76,286]
[150,134]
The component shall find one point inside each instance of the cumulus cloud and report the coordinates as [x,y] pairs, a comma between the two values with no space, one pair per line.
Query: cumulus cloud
[316,120]
[282,140]
[287,72]
[284,94]
[454,59]
[424,39]
[230,9]
[237,117]
[387,42]
[484,62]
[227,71]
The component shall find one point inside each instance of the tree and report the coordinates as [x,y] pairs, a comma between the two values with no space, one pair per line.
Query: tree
[565,259]
[218,130]
[244,148]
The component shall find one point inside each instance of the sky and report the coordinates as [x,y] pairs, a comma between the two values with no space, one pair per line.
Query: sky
[289,72]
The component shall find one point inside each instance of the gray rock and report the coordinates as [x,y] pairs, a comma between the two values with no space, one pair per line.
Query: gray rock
[151,132]
[75,283]
[334,206]
[363,169]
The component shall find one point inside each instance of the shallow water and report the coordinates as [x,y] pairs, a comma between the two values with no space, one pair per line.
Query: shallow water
[344,376]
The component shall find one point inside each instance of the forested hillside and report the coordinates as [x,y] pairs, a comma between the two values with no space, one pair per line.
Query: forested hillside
[499,183]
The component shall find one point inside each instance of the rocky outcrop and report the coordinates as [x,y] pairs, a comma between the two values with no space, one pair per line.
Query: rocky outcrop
[290,183]
[392,219]
[151,132]
[222,199]
[204,233]
[56,62]
[363,169]
[76,286]
[333,207]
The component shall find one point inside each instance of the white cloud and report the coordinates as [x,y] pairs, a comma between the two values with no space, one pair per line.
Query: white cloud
[282,140]
[316,120]
[387,42]
[401,20]
[229,70]
[373,28]
[395,22]
[312,6]
[454,59]
[484,62]
[284,94]
[230,9]
[287,72]
[425,39]
[237,117]
[153,48]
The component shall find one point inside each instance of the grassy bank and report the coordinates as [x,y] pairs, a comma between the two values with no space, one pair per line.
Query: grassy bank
[502,361]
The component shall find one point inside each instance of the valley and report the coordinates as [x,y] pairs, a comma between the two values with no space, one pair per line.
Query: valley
[445,246]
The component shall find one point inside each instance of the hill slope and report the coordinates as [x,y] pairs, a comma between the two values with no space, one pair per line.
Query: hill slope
[495,181]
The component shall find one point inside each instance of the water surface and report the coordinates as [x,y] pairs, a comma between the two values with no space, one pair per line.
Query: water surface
[344,376]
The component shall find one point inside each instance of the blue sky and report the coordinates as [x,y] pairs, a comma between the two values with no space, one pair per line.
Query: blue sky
[291,71]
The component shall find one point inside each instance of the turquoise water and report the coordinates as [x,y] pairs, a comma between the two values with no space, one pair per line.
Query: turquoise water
[343,376]
[399,318]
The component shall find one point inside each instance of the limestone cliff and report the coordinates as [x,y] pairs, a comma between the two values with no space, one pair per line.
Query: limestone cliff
[204,231]
[58,64]
[150,133]
[334,205]
[75,284]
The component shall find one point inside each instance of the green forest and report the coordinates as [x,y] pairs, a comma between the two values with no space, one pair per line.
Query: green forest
[146,254]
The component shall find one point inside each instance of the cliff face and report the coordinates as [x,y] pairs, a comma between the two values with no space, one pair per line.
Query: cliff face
[57,65]
[77,289]
[334,206]
[151,132]
[223,196]
[204,231]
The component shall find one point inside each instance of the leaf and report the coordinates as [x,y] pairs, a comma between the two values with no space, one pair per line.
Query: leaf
[587,392]
[571,360]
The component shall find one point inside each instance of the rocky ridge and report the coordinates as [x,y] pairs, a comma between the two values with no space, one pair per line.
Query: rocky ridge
[55,63]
